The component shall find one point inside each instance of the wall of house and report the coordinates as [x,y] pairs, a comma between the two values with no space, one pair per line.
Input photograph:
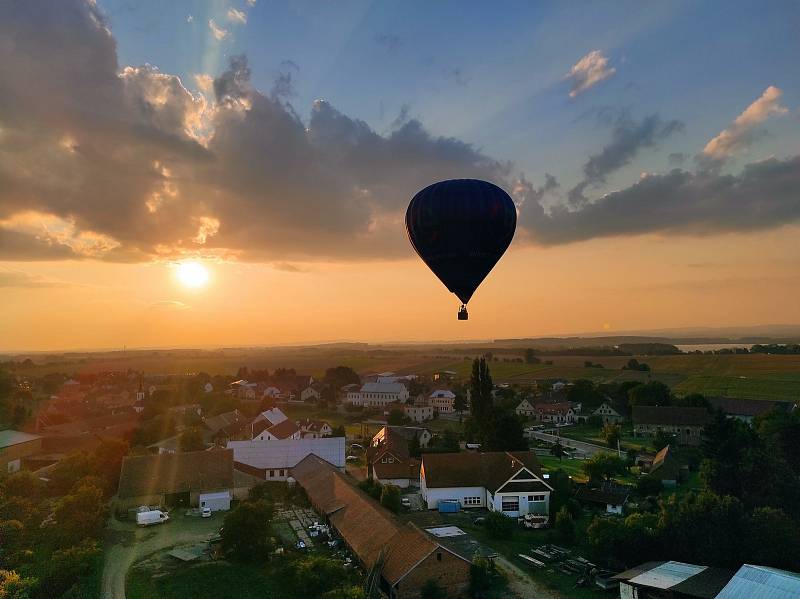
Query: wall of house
[525,506]
[11,458]
[433,496]
[685,435]
[449,571]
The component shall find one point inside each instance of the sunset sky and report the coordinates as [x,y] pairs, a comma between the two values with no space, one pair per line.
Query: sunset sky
[653,152]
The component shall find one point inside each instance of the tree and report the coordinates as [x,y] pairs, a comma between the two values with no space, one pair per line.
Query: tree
[339,376]
[68,572]
[652,393]
[557,449]
[68,471]
[460,404]
[314,575]
[565,525]
[530,356]
[13,586]
[432,590]
[396,418]
[603,466]
[773,539]
[338,431]
[245,531]
[611,434]
[23,484]
[106,462]
[80,515]
[191,440]
[390,498]
[414,450]
[481,390]
[484,577]
[585,393]
[649,485]
[498,525]
[503,432]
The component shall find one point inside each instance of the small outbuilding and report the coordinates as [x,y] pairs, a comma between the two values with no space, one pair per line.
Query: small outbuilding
[216,502]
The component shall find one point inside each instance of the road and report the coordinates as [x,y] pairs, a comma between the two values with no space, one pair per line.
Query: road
[587,448]
[128,543]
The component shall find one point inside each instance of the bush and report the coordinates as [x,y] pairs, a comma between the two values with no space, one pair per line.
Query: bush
[485,579]
[390,498]
[371,488]
[245,531]
[499,526]
[565,525]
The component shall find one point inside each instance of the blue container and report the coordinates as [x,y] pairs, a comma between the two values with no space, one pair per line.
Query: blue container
[449,506]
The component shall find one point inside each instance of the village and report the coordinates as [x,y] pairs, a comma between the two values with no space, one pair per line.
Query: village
[403,485]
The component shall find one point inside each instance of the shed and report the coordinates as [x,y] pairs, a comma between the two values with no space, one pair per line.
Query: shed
[218,502]
[761,582]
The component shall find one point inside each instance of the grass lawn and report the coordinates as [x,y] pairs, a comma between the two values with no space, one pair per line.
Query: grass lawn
[218,579]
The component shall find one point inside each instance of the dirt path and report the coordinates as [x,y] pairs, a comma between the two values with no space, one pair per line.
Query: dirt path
[522,585]
[126,544]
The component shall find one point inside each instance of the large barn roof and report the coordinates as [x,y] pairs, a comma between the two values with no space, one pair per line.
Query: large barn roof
[176,473]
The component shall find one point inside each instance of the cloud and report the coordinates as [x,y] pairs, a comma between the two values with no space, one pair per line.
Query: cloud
[218,32]
[238,17]
[190,19]
[205,83]
[588,72]
[251,3]
[129,165]
[741,134]
[169,306]
[628,137]
[676,158]
[764,195]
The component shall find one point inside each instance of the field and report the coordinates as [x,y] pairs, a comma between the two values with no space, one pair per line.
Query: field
[755,376]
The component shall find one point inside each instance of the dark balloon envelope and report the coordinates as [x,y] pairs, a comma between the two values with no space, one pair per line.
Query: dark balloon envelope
[460,229]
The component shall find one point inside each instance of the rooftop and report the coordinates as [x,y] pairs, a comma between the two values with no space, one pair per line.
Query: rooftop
[176,473]
[470,469]
[669,415]
[761,582]
[10,437]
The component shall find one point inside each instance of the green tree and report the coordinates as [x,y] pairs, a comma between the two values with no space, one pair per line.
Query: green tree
[557,450]
[23,484]
[611,434]
[460,404]
[481,390]
[649,485]
[503,432]
[339,376]
[565,525]
[192,440]
[773,539]
[315,575]
[530,356]
[485,579]
[106,462]
[338,431]
[396,418]
[245,531]
[603,466]
[652,393]
[68,572]
[80,515]
[499,526]
[390,498]
[432,590]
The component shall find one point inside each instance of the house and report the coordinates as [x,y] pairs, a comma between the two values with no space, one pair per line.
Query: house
[15,446]
[608,414]
[220,421]
[312,393]
[507,482]
[314,428]
[243,389]
[389,460]
[609,495]
[274,460]
[169,445]
[762,582]
[747,409]
[174,478]
[555,413]
[418,413]
[404,556]
[423,435]
[442,400]
[286,429]
[673,580]
[685,424]
[378,395]
[666,467]
[525,409]
[224,427]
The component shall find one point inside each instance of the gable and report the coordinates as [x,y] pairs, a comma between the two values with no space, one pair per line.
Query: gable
[523,474]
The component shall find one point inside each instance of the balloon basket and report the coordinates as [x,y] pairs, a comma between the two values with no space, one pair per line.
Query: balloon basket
[462,313]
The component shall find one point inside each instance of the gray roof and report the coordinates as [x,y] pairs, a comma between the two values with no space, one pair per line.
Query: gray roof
[287,453]
[11,437]
[176,473]
[383,388]
[761,582]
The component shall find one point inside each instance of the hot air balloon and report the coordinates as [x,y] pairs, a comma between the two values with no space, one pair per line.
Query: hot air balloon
[460,229]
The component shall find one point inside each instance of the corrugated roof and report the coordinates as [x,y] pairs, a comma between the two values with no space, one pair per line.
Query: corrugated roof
[383,388]
[761,582]
[667,575]
[287,453]
[10,437]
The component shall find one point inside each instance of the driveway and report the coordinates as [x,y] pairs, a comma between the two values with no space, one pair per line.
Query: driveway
[522,585]
[587,448]
[127,543]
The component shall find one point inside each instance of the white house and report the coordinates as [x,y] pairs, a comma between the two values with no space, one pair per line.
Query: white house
[418,413]
[273,460]
[314,429]
[506,482]
[378,395]
[607,413]
[311,393]
[555,412]
[525,408]
[442,400]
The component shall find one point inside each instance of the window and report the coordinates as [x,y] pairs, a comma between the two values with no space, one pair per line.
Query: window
[472,500]
[439,556]
[283,472]
[536,497]
[271,473]
[510,504]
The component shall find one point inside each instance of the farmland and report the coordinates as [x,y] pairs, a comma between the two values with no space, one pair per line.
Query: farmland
[756,376]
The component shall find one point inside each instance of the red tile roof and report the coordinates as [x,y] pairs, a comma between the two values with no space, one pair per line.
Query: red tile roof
[283,430]
[469,469]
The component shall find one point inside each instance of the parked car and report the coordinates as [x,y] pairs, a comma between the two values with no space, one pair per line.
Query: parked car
[405,502]
[352,458]
[205,512]
[151,517]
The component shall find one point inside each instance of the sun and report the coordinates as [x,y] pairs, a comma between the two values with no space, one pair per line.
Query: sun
[192,274]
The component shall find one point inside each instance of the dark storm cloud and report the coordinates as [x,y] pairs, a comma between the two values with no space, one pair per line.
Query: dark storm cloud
[628,137]
[764,195]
